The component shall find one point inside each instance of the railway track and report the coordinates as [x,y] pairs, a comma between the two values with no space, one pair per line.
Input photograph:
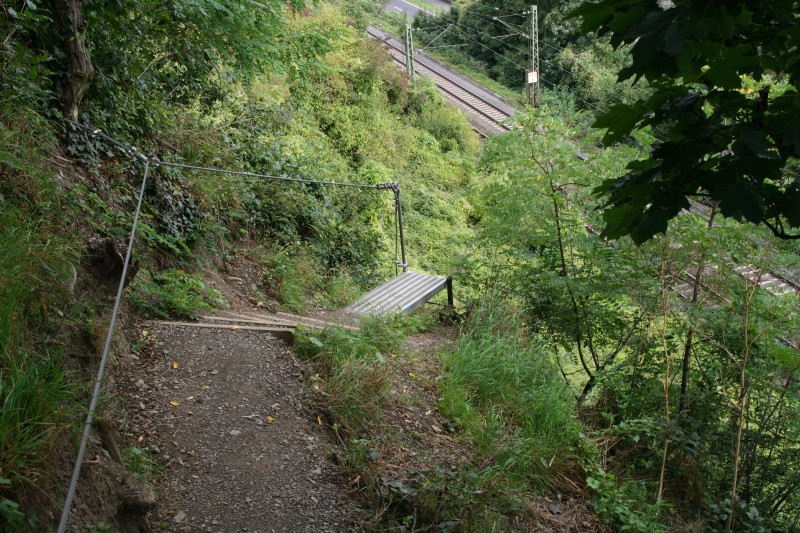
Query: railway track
[487,113]
[775,283]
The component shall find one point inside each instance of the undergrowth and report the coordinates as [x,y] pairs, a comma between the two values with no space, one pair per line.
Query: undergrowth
[35,279]
[502,389]
[173,293]
[349,367]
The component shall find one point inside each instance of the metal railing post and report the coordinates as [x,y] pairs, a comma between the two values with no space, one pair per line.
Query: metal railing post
[399,208]
[450,292]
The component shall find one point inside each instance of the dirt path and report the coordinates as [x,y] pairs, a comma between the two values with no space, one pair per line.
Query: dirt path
[223,410]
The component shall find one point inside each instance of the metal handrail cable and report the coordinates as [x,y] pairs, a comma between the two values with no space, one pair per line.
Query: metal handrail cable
[99,380]
[152,162]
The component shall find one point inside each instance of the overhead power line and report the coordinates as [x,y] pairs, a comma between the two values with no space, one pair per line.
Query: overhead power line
[492,51]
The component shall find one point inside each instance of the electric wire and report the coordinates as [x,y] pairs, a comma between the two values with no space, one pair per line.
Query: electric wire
[552,63]
[509,13]
[432,27]
[553,85]
[496,19]
[498,54]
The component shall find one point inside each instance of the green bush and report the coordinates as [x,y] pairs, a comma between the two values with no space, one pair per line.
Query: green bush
[624,504]
[173,293]
[35,273]
[340,290]
[349,372]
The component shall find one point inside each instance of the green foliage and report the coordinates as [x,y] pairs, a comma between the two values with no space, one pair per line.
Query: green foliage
[623,505]
[150,57]
[24,78]
[504,390]
[718,137]
[100,527]
[747,517]
[10,515]
[350,372]
[534,218]
[484,43]
[33,389]
[142,463]
[340,290]
[351,366]
[448,126]
[290,274]
[173,293]
[34,276]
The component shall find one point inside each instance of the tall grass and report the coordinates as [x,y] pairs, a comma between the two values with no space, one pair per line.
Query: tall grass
[351,366]
[33,392]
[502,388]
[290,273]
[34,274]
[33,384]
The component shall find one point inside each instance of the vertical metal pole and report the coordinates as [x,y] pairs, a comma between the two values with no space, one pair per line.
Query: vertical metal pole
[399,208]
[532,76]
[450,292]
[409,51]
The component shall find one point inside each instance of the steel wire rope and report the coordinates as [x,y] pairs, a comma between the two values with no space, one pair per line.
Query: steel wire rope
[135,153]
[268,177]
[396,240]
[99,380]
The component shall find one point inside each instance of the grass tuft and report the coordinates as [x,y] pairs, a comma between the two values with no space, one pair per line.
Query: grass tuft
[34,275]
[351,370]
[501,387]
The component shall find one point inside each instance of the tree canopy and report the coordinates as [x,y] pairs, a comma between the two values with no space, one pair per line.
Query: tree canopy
[725,111]
[138,59]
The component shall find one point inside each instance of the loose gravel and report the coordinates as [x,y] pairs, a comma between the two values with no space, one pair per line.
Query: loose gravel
[224,412]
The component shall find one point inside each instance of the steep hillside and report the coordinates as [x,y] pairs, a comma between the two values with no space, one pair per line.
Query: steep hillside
[646,382]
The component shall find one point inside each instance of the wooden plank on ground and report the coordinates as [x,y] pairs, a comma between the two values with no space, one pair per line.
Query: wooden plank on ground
[286,334]
[314,321]
[276,322]
[293,320]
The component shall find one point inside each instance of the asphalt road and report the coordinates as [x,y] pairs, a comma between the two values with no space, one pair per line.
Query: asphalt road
[401,6]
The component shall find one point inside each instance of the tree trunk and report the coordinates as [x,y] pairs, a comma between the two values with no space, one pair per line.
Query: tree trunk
[687,346]
[69,14]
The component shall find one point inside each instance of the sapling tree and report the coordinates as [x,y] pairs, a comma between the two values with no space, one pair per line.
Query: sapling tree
[573,284]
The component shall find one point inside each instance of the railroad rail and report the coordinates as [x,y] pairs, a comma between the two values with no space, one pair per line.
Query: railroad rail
[775,283]
[487,112]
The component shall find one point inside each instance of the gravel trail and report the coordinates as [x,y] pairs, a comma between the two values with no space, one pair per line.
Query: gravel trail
[223,410]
